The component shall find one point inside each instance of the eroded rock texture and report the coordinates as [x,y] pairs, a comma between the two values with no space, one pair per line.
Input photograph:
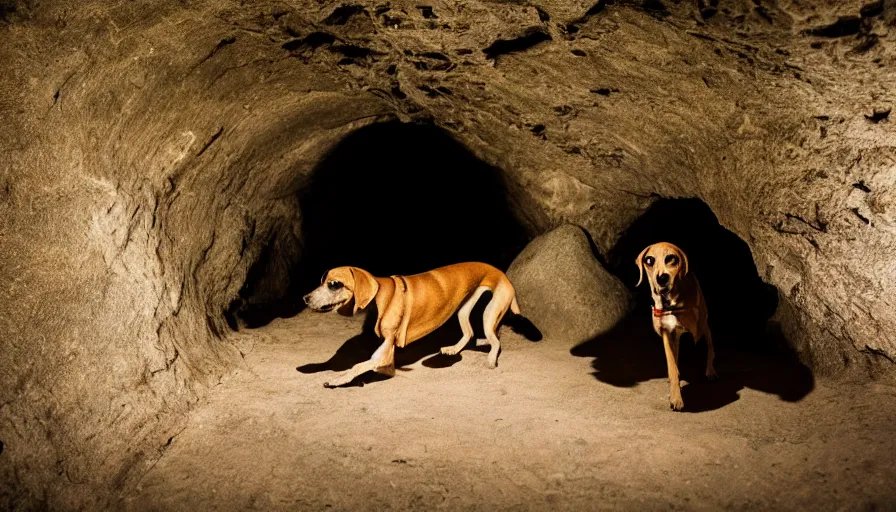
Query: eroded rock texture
[152,152]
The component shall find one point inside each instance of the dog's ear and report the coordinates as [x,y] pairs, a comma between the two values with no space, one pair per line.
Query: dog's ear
[365,288]
[639,261]
[684,262]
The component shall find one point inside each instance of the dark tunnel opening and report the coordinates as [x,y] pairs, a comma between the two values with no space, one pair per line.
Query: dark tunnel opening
[392,198]
[740,303]
[750,349]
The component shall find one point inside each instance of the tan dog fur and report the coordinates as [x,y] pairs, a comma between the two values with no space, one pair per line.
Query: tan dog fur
[410,307]
[678,307]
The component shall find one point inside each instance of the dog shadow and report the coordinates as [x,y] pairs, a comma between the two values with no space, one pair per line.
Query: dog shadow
[361,347]
[632,353]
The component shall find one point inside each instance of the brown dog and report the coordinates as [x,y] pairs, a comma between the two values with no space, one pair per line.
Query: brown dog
[410,307]
[678,307]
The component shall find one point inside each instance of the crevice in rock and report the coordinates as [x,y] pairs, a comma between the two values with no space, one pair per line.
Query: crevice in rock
[210,141]
[309,42]
[872,9]
[878,115]
[532,37]
[844,26]
[342,14]
[427,12]
[221,44]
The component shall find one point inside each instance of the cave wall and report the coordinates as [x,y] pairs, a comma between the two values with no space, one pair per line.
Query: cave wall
[140,183]
[151,150]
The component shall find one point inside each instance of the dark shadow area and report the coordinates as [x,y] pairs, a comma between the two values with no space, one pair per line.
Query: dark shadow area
[739,302]
[361,347]
[391,198]
[750,350]
[632,353]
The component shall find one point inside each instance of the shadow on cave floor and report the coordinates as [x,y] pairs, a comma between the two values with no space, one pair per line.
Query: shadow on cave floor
[632,353]
[361,347]
[391,198]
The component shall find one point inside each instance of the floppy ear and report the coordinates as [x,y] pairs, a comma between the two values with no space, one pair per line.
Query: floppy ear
[365,287]
[639,261]
[684,262]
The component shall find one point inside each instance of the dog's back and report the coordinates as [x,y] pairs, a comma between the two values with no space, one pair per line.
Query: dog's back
[433,297]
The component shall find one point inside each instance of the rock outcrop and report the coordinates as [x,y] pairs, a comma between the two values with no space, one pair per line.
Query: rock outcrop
[564,290]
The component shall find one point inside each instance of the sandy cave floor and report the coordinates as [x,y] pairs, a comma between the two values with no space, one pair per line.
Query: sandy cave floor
[539,432]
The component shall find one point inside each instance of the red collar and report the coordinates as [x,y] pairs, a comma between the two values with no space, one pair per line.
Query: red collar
[664,312]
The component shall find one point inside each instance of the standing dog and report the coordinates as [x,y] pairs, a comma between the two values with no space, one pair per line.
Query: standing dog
[678,307]
[410,307]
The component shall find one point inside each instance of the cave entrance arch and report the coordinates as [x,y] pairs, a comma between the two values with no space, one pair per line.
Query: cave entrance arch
[750,351]
[392,198]
[740,303]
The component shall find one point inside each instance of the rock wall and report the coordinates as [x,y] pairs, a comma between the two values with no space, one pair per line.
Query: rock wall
[152,150]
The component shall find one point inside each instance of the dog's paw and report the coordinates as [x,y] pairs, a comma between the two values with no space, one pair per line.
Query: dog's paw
[449,351]
[676,404]
[335,383]
[388,371]
[711,374]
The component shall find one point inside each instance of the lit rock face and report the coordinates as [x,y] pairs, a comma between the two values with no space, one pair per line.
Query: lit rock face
[564,290]
[152,154]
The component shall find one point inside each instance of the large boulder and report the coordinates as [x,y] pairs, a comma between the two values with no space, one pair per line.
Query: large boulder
[564,290]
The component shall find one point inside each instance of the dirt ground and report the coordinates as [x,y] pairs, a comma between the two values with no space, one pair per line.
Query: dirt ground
[553,427]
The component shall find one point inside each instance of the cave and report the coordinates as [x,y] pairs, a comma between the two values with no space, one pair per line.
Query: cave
[748,340]
[391,198]
[740,302]
[176,175]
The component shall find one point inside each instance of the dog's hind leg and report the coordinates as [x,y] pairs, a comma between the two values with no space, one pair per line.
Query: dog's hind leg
[491,318]
[463,316]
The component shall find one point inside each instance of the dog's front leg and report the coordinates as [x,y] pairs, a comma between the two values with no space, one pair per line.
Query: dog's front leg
[382,359]
[385,355]
[670,345]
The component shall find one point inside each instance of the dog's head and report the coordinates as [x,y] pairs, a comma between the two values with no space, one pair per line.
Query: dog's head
[664,264]
[339,286]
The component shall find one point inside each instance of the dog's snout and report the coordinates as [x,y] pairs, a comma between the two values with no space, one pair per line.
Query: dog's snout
[662,279]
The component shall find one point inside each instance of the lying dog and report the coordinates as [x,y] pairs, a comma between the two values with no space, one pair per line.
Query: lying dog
[678,307]
[410,307]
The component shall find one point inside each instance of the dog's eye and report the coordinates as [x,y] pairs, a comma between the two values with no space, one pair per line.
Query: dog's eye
[334,285]
[649,261]
[672,260]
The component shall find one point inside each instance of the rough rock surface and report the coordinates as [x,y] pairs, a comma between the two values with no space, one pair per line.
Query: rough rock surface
[564,290]
[151,151]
